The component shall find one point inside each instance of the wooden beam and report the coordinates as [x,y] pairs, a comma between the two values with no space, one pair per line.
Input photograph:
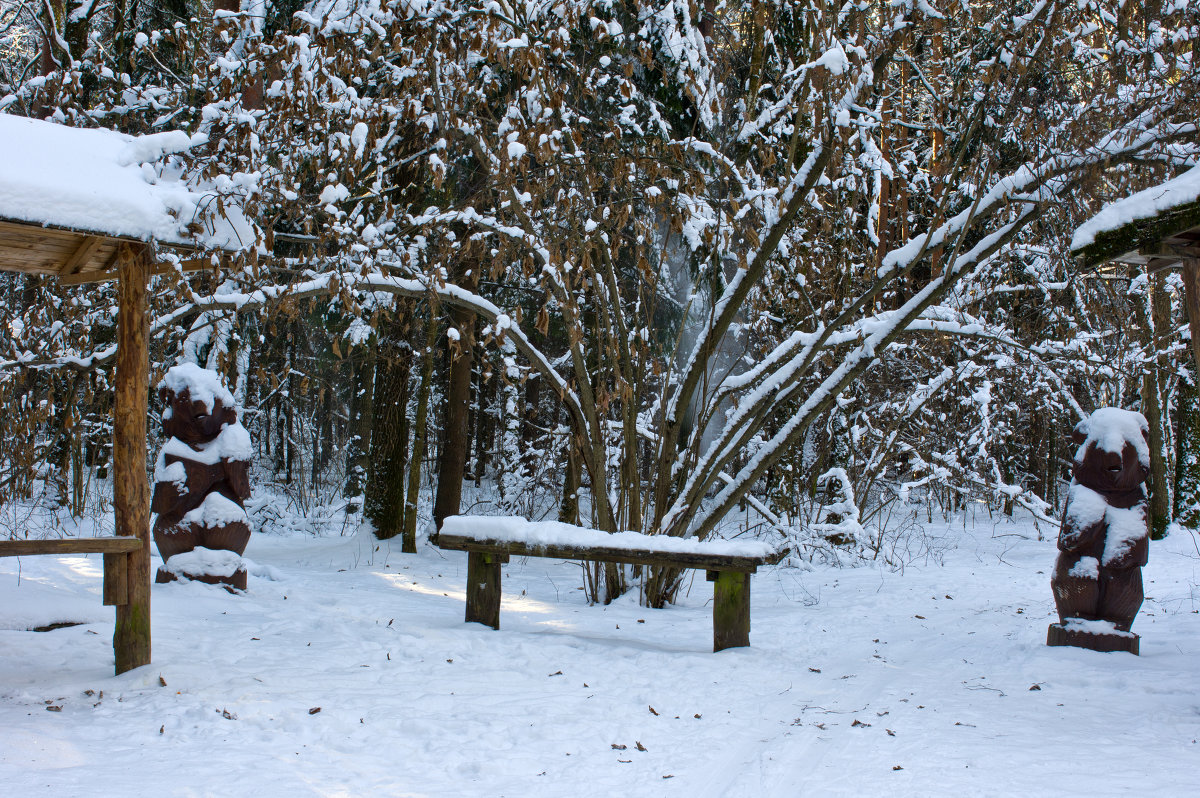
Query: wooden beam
[710,562]
[191,265]
[30,232]
[82,254]
[131,489]
[1171,250]
[106,545]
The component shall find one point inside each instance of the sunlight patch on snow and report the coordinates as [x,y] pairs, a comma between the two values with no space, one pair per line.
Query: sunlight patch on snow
[516,603]
[559,625]
[41,751]
[88,567]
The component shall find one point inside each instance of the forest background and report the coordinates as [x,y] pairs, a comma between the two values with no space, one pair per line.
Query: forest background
[794,270]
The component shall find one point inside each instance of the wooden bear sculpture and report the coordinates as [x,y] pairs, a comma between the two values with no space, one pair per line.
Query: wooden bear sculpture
[1105,535]
[200,481]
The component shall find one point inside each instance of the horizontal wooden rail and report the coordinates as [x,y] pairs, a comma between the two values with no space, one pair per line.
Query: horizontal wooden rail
[677,559]
[106,545]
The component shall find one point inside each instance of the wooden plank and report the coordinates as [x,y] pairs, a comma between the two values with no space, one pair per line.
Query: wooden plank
[116,578]
[81,256]
[710,562]
[35,251]
[17,227]
[43,268]
[105,274]
[31,248]
[29,231]
[1172,248]
[105,545]
[483,588]
[731,610]
[131,489]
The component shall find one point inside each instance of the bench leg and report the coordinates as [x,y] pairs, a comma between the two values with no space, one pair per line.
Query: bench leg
[731,609]
[483,588]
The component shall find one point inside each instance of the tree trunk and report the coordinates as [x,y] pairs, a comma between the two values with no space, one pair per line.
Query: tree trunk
[289,414]
[568,509]
[389,442]
[483,424]
[421,429]
[455,437]
[1186,503]
[529,430]
[358,455]
[1152,406]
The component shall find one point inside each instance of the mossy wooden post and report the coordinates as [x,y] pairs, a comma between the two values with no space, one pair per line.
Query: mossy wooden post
[131,490]
[731,609]
[483,587]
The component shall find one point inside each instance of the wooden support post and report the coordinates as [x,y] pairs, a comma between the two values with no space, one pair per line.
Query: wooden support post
[131,490]
[483,588]
[731,609]
[116,579]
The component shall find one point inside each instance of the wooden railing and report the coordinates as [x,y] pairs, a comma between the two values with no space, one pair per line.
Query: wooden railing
[117,551]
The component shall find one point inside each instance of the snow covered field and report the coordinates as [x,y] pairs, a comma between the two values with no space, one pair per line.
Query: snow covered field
[934,681]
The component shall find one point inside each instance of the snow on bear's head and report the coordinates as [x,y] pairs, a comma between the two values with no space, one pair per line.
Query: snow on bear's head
[1113,454]
[198,406]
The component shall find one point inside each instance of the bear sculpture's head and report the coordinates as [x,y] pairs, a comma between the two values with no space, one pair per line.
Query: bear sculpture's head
[1114,453]
[192,420]
[197,404]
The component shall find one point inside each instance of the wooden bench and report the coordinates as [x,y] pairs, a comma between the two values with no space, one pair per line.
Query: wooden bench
[117,553]
[730,573]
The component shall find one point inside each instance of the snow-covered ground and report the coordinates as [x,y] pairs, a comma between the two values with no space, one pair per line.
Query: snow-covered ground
[346,670]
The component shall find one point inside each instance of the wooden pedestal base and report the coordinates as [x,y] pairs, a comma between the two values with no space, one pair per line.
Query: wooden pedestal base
[235,582]
[1059,635]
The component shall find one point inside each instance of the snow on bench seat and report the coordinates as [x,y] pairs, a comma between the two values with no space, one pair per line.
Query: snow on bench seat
[550,536]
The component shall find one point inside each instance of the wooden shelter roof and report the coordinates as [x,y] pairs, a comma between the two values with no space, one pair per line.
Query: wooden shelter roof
[1158,227]
[1162,242]
[73,256]
[70,196]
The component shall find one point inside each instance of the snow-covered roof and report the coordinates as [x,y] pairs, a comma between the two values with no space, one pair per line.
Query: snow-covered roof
[111,184]
[1168,196]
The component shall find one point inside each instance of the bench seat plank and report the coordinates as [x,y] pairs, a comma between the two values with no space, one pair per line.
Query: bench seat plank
[677,559]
